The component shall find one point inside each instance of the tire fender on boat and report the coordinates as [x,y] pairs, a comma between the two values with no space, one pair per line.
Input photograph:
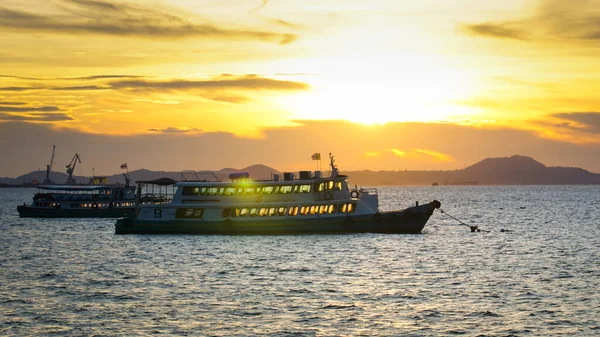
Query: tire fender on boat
[354,194]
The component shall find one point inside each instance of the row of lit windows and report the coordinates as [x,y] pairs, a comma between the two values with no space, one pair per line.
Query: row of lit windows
[279,189]
[290,211]
[84,205]
[270,211]
[283,189]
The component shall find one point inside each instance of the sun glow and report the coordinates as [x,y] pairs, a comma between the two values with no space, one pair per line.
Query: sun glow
[402,88]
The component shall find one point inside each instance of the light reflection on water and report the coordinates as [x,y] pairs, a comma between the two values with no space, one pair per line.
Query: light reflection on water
[75,277]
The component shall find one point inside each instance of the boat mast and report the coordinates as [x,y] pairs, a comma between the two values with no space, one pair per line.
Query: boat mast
[49,167]
[334,170]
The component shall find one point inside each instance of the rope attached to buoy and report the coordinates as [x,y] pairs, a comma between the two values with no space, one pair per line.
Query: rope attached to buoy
[473,228]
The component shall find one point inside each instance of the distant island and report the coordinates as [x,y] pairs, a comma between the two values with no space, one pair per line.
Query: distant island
[515,170]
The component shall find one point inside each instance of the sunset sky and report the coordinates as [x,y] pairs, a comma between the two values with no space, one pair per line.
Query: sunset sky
[383,85]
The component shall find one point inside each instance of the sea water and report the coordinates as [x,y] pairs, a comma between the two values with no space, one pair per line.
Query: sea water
[534,270]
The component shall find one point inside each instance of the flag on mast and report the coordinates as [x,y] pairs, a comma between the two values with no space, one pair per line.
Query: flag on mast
[316,156]
[124,166]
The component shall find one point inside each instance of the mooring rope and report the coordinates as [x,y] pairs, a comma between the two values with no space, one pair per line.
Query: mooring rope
[473,228]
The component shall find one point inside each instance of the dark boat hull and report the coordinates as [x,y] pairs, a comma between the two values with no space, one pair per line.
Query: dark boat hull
[39,212]
[408,221]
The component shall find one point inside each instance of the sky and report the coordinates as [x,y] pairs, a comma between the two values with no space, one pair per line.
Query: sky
[382,85]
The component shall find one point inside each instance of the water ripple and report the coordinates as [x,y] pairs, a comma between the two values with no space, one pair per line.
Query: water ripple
[75,277]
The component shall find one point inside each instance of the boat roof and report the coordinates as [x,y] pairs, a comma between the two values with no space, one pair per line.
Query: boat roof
[257,182]
[74,187]
[160,181]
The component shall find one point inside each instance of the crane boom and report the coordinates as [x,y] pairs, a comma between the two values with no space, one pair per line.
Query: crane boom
[49,167]
[71,168]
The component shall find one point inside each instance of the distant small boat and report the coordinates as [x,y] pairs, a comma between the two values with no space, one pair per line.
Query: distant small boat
[435,184]
[87,201]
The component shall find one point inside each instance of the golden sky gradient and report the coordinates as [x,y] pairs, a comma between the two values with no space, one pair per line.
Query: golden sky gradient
[384,85]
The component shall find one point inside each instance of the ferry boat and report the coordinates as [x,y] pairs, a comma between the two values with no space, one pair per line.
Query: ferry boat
[84,201]
[309,204]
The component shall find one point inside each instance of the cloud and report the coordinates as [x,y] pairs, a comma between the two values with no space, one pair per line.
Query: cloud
[157,101]
[248,82]
[397,152]
[421,154]
[28,109]
[373,154]
[11,103]
[495,30]
[175,130]
[17,89]
[35,117]
[438,156]
[83,78]
[588,121]
[225,88]
[218,89]
[567,20]
[123,19]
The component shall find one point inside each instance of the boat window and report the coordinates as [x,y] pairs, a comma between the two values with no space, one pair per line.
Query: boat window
[230,190]
[320,186]
[190,190]
[253,211]
[263,212]
[338,185]
[329,185]
[221,190]
[249,190]
[323,209]
[286,189]
[343,208]
[304,210]
[212,191]
[189,213]
[314,209]
[268,189]
[258,190]
[244,212]
[226,212]
[303,189]
[281,211]
[293,211]
[272,211]
[203,191]
[351,207]
[332,208]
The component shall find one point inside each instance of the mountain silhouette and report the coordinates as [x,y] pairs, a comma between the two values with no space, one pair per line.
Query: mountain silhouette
[514,170]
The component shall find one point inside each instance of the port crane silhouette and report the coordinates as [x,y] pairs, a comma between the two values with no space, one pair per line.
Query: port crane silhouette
[47,181]
[71,169]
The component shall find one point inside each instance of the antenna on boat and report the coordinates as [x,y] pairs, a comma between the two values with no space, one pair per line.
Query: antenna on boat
[334,170]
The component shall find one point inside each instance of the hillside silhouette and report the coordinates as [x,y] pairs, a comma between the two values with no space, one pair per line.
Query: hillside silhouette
[515,170]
